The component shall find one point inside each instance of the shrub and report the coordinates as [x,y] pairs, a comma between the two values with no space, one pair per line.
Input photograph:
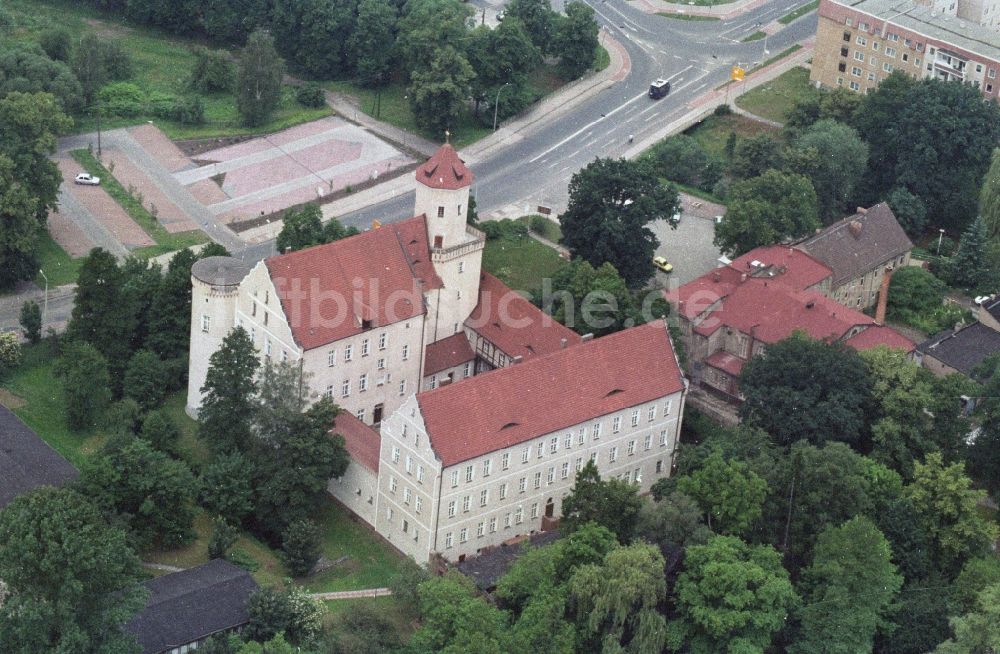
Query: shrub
[301,545]
[723,110]
[10,351]
[188,111]
[539,225]
[57,43]
[31,321]
[123,99]
[213,71]
[116,61]
[223,537]
[504,229]
[310,95]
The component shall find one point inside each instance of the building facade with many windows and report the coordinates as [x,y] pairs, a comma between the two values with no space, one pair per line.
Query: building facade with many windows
[473,465]
[858,44]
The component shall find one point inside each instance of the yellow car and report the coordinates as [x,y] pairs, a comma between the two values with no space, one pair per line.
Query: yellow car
[661,263]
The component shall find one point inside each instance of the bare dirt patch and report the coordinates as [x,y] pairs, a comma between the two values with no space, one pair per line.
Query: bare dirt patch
[10,400]
[194,147]
[106,29]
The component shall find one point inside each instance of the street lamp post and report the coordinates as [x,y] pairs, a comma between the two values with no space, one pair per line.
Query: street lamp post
[45,306]
[496,104]
[940,237]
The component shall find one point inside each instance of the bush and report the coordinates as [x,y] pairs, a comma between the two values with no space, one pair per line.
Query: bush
[301,544]
[57,43]
[188,111]
[122,99]
[503,229]
[723,110]
[310,95]
[213,71]
[31,321]
[539,225]
[224,536]
[10,352]
[116,61]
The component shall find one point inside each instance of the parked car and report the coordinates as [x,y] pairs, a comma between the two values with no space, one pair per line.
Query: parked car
[676,218]
[662,264]
[980,299]
[87,179]
[500,16]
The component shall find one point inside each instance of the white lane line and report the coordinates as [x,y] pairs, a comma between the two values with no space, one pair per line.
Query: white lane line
[676,56]
[652,117]
[586,127]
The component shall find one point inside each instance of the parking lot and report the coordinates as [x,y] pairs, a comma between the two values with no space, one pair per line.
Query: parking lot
[689,247]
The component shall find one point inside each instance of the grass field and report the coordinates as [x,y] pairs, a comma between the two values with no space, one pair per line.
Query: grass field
[799,13]
[602,59]
[522,263]
[165,241]
[552,231]
[756,36]
[694,17]
[774,99]
[162,65]
[713,132]
[58,265]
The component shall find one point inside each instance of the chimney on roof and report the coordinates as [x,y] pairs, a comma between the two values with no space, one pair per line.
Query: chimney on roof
[743,277]
[562,343]
[586,337]
[855,227]
[883,298]
[863,211]
[517,360]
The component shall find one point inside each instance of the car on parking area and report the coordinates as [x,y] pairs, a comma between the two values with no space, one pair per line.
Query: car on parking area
[676,218]
[662,264]
[87,179]
[501,15]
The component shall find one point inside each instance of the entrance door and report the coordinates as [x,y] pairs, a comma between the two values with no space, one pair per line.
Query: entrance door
[550,508]
[377,416]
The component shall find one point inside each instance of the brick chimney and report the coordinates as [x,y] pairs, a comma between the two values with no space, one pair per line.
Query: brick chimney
[883,298]
[855,228]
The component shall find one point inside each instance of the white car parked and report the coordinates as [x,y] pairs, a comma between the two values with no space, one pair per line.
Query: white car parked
[87,179]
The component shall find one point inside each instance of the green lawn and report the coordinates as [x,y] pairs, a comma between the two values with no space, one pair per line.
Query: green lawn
[799,13]
[552,231]
[713,132]
[601,59]
[778,57]
[756,36]
[162,65]
[774,99]
[370,563]
[698,3]
[58,266]
[165,241]
[694,17]
[523,263]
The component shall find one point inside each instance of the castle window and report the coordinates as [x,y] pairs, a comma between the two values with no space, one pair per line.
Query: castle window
[440,212]
[406,352]
[345,388]
[331,358]
[461,266]
[363,382]
[402,387]
[348,352]
[206,323]
[459,210]
[365,347]
[361,415]
[383,340]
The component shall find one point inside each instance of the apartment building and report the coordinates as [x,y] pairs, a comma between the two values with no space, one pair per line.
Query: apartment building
[858,44]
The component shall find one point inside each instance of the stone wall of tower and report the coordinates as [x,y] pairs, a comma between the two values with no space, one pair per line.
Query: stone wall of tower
[213,310]
[446,212]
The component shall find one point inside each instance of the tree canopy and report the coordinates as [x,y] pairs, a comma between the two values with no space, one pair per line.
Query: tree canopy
[611,503]
[765,210]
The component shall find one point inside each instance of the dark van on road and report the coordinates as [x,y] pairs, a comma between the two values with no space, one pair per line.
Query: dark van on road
[659,88]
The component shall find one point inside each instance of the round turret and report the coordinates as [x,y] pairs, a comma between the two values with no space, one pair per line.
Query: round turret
[215,285]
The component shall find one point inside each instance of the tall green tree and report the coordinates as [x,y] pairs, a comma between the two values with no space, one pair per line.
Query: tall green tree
[615,602]
[968,268]
[910,211]
[935,124]
[731,597]
[976,632]
[847,589]
[291,612]
[170,313]
[227,407]
[730,495]
[372,41]
[439,90]
[755,155]
[161,432]
[454,620]
[25,68]
[301,544]
[146,380]
[674,521]
[591,300]
[226,486]
[610,503]
[313,35]
[840,159]
[766,210]
[989,196]
[538,19]
[99,316]
[944,498]
[576,40]
[806,389]
[258,79]
[301,228]
[83,372]
[425,26]
[611,203]
[72,580]
[232,21]
[153,493]
[19,236]
[31,321]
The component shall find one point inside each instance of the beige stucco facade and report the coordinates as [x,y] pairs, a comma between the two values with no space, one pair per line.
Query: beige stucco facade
[862,292]
[424,508]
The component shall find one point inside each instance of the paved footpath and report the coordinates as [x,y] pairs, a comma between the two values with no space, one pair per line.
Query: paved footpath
[353,594]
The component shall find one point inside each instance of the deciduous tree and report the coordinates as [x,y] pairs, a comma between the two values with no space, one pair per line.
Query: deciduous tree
[989,196]
[611,503]
[145,380]
[977,631]
[439,90]
[611,203]
[576,40]
[72,580]
[258,79]
[86,384]
[729,495]
[766,210]
[840,161]
[225,486]
[372,41]
[31,321]
[227,406]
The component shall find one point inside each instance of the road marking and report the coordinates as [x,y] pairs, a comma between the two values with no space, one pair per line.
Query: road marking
[650,118]
[677,56]
[586,127]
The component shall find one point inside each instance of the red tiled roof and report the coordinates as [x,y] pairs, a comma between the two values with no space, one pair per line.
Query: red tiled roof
[444,170]
[361,441]
[547,393]
[880,335]
[513,324]
[327,290]
[447,353]
[771,312]
[792,267]
[726,362]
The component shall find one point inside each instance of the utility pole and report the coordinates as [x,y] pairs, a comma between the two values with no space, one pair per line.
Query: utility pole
[45,308]
[98,130]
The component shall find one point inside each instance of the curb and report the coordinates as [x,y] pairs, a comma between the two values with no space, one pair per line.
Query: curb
[731,9]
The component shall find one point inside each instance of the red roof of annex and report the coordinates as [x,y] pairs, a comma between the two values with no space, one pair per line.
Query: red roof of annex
[544,394]
[361,441]
[447,353]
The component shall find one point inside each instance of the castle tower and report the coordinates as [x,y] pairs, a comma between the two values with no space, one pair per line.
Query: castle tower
[215,285]
[443,184]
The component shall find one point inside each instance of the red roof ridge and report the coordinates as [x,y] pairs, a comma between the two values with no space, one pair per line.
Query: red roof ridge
[444,170]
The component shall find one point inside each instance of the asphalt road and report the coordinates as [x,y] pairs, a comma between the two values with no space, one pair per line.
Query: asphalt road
[695,55]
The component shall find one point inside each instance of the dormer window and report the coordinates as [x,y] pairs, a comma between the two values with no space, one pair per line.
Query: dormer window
[366,324]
